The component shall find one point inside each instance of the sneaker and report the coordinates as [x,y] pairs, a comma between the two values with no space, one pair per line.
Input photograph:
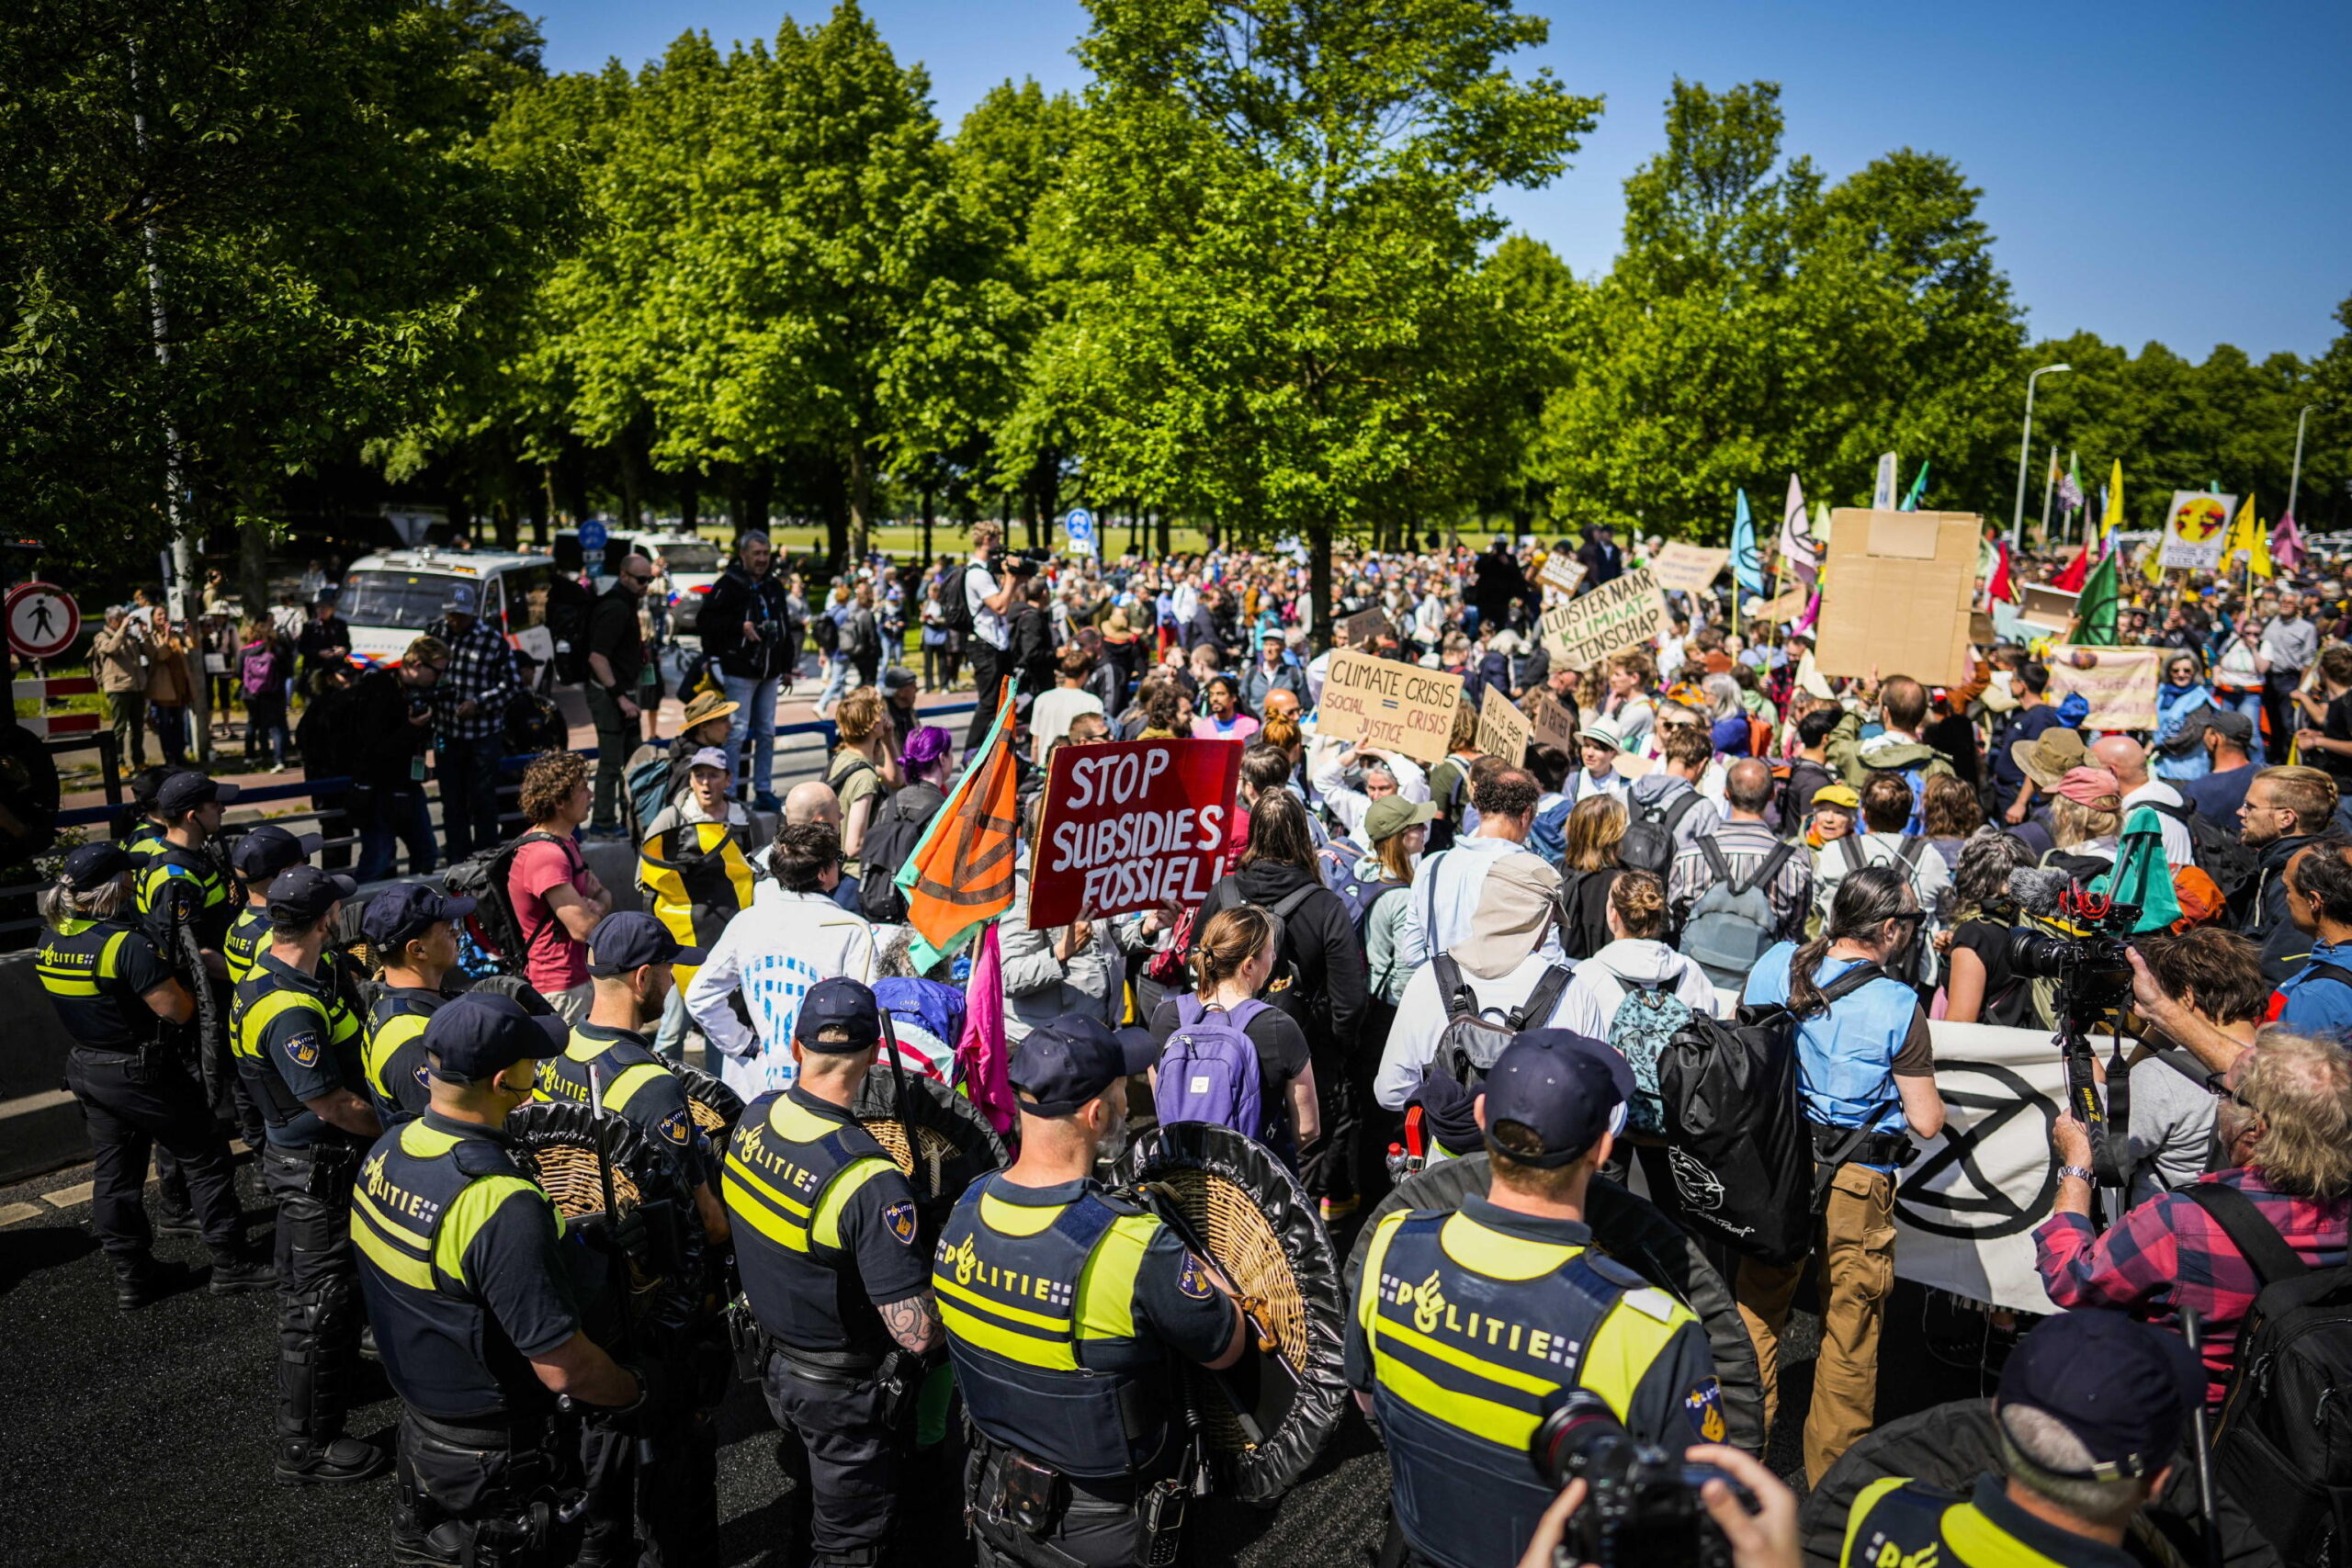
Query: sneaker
[338,1460]
[177,1222]
[234,1276]
[1339,1208]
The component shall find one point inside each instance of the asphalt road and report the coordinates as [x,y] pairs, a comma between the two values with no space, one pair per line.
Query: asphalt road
[145,1439]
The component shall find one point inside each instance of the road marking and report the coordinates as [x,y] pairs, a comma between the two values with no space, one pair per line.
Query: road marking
[18,1213]
[69,1197]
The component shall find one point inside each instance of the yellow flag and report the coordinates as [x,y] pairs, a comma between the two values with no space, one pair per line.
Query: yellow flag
[2259,559]
[2241,538]
[2114,501]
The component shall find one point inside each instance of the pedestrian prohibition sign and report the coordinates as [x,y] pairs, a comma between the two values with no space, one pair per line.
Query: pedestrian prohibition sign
[43,620]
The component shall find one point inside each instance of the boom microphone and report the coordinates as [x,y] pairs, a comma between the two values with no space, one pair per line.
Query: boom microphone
[2038,890]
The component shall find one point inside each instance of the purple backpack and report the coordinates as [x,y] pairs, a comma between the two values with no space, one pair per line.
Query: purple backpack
[1208,1069]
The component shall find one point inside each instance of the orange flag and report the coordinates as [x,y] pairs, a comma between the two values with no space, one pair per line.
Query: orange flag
[960,875]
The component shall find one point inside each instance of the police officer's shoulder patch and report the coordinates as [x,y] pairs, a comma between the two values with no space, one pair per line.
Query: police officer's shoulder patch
[1616,1273]
[901,1218]
[1704,1406]
[303,1048]
[1194,1279]
[676,1129]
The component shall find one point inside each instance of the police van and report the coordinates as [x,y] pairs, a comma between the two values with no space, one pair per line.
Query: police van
[389,599]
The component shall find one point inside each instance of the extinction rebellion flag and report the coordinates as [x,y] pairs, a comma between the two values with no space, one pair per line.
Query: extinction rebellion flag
[960,876]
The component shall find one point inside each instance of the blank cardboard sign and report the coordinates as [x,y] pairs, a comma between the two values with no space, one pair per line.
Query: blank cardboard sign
[1897,594]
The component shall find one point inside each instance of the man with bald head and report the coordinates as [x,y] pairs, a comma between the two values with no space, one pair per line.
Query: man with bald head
[615,668]
[1716,930]
[2128,760]
[813,800]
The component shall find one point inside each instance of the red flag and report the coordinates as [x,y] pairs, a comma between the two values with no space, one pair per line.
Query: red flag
[2003,586]
[2287,543]
[2071,579]
[981,1051]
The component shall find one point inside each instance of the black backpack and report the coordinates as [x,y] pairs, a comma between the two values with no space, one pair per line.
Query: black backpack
[2284,1449]
[481,877]
[1648,844]
[890,840]
[567,622]
[825,632]
[1584,910]
[1474,1036]
[1737,1138]
[2221,854]
[954,607]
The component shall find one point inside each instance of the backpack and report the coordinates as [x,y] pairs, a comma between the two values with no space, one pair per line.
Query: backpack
[1805,779]
[955,608]
[1648,844]
[1737,1143]
[1732,924]
[1645,1021]
[825,632]
[255,671]
[1338,861]
[483,877]
[1916,825]
[1584,911]
[1472,1041]
[2284,1448]
[890,841]
[1226,895]
[1915,965]
[1549,837]
[1208,1068]
[567,623]
[2220,853]
[645,790]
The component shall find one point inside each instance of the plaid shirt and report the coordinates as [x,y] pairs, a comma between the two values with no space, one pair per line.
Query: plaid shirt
[1744,846]
[2167,1253]
[482,670]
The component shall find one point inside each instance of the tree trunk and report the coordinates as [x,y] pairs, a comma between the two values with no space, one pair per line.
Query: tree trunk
[507,525]
[542,502]
[861,501]
[253,562]
[754,487]
[1166,549]
[1320,603]
[689,501]
[571,481]
[926,525]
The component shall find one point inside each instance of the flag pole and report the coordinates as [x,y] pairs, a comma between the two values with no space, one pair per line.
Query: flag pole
[2049,483]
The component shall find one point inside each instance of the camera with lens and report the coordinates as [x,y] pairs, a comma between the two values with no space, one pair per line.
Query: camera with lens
[2093,971]
[1024,563]
[770,630]
[1640,1503]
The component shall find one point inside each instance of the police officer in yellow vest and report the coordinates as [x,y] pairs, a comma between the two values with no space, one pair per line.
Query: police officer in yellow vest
[2091,1410]
[1066,1312]
[1470,1324]
[123,1008]
[825,1241]
[258,856]
[412,933]
[297,1047]
[667,1489]
[469,1280]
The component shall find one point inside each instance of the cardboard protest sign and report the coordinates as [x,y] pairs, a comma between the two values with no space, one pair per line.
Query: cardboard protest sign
[1616,615]
[1561,571]
[1897,594]
[1551,722]
[1131,825]
[1398,707]
[2197,524]
[1629,765]
[1688,568]
[1787,607]
[1503,730]
[2048,609]
[1366,628]
[2120,687]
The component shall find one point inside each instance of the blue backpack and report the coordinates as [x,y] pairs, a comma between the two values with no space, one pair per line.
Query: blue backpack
[1338,861]
[1645,1020]
[1916,825]
[1208,1069]
[1549,838]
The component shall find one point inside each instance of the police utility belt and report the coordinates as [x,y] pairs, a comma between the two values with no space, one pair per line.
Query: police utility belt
[1032,1496]
[899,1374]
[329,1163]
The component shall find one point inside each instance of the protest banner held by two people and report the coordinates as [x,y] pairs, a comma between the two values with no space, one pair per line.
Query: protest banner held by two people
[1131,826]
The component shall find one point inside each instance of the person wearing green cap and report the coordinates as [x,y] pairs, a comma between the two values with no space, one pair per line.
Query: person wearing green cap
[1391,928]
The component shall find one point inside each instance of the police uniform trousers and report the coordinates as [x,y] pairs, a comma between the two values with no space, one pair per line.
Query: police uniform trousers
[318,1287]
[844,1449]
[653,1492]
[1094,1525]
[483,1496]
[1856,1245]
[135,1101]
[228,1103]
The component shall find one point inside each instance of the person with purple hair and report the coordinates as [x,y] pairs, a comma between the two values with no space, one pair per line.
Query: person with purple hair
[926,765]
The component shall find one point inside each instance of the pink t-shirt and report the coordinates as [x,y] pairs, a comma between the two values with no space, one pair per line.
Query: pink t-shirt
[556,961]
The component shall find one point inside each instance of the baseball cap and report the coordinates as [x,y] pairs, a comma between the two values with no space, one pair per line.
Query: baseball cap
[268,849]
[709,757]
[92,866]
[2124,1388]
[1392,814]
[185,792]
[479,1034]
[1061,1064]
[842,1007]
[460,599]
[897,678]
[2235,727]
[1838,795]
[401,914]
[1564,1088]
[631,939]
[302,892]
[2190,735]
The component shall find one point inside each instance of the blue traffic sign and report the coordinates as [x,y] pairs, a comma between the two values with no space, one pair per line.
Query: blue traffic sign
[1081,527]
[593,535]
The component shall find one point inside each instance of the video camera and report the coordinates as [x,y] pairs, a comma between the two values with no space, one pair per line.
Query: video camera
[2080,941]
[1024,563]
[1641,1504]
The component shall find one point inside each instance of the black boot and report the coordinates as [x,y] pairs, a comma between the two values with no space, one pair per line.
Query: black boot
[233,1273]
[141,1281]
[301,1462]
[169,1221]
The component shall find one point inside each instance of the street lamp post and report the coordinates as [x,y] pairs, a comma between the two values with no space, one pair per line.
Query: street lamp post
[2025,454]
[2295,481]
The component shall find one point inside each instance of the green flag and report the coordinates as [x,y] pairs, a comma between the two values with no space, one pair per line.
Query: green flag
[2095,608]
[1918,489]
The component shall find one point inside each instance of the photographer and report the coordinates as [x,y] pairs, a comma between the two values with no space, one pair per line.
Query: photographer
[988,603]
[1766,1539]
[2091,1409]
[1866,1075]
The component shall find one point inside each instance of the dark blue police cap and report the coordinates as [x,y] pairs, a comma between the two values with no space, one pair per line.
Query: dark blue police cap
[2125,1388]
[92,866]
[185,792]
[266,851]
[401,914]
[1062,1064]
[478,1034]
[632,940]
[302,892]
[839,1016]
[1562,1087]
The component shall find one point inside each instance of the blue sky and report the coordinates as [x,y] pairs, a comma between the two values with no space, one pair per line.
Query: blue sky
[2163,170]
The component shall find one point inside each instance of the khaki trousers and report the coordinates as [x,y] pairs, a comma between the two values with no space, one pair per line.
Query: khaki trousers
[1856,1245]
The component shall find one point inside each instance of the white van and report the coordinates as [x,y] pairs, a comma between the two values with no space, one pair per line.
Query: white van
[391,598]
[694,564]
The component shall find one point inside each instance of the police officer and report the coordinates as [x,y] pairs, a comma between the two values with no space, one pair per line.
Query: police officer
[119,1001]
[468,1277]
[412,932]
[182,890]
[1066,1309]
[2091,1410]
[669,1483]
[298,1049]
[146,827]
[258,856]
[1470,1326]
[825,1241]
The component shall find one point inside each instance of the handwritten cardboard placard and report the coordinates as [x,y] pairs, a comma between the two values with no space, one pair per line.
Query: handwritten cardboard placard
[1366,628]
[1773,612]
[1503,730]
[1131,825]
[2121,686]
[1394,707]
[1688,568]
[1550,720]
[1615,617]
[1561,571]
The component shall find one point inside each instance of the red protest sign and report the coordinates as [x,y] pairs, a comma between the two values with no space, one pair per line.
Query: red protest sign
[1130,826]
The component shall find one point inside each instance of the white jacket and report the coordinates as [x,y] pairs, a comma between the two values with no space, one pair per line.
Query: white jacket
[1592,997]
[1421,1022]
[770,954]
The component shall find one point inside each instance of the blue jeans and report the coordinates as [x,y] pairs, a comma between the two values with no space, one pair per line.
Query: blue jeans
[394,816]
[2250,705]
[670,1042]
[754,719]
[468,771]
[837,669]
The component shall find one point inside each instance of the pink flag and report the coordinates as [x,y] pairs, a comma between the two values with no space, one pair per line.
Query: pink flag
[982,1051]
[1812,614]
[2287,543]
[1798,546]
